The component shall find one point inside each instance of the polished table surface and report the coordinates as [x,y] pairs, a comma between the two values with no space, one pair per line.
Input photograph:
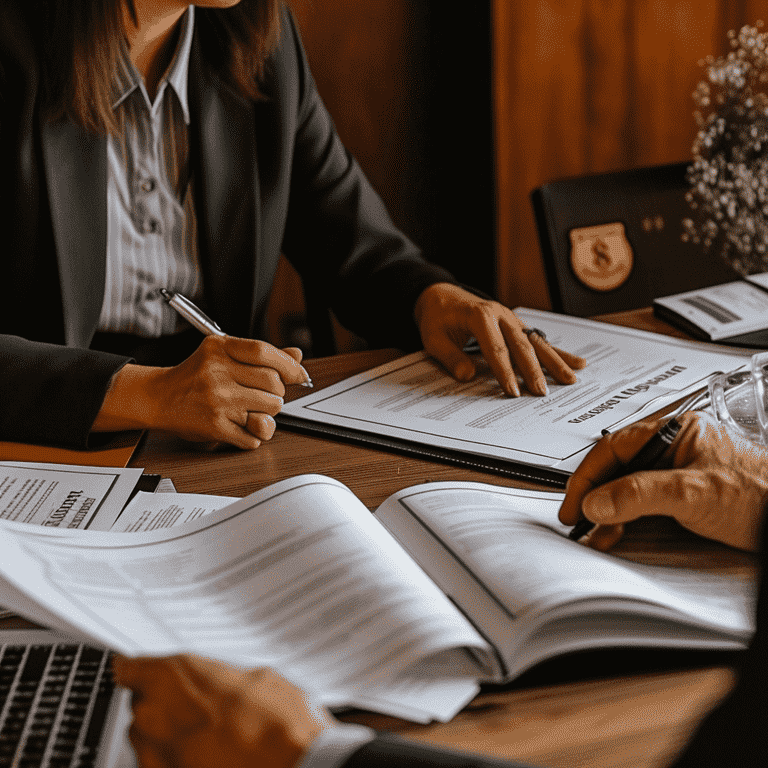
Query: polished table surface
[636,717]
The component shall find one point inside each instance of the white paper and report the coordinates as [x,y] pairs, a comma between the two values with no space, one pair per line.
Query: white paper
[512,540]
[299,577]
[154,511]
[165,486]
[760,279]
[724,310]
[629,374]
[64,497]
[504,557]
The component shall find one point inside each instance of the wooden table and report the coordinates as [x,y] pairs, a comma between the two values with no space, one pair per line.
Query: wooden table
[638,718]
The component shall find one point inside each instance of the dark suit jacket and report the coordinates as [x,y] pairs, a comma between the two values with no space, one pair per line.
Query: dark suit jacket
[270,177]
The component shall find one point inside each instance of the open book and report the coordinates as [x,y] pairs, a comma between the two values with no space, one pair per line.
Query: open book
[404,612]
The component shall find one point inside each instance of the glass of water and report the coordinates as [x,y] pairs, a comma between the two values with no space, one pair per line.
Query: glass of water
[739,399]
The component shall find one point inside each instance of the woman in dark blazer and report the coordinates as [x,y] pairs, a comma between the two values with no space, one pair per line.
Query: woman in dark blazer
[268,175]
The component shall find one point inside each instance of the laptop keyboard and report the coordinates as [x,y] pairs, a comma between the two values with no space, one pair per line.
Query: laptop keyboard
[54,700]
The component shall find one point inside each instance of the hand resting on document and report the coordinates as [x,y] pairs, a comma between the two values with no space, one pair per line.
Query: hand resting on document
[713,482]
[448,316]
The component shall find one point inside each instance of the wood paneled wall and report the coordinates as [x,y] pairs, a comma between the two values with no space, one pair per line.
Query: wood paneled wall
[579,86]
[409,87]
[586,86]
[362,52]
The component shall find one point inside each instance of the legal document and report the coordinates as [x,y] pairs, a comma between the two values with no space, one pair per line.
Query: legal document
[64,497]
[630,374]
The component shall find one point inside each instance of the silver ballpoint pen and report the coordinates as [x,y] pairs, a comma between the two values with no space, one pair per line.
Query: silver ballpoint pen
[192,314]
[195,316]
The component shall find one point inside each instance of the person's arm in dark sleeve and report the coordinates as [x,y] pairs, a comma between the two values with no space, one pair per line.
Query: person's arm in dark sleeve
[51,394]
[341,240]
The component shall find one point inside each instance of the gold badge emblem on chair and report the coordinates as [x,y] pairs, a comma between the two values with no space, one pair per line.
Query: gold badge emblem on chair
[601,257]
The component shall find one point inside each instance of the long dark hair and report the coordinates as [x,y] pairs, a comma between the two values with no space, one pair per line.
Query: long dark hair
[81,41]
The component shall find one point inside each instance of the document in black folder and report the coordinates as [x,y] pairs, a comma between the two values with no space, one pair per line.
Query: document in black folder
[413,405]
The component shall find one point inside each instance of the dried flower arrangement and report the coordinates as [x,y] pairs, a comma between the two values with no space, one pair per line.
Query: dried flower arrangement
[729,173]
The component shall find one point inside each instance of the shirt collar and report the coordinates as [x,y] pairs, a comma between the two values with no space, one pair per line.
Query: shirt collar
[127,79]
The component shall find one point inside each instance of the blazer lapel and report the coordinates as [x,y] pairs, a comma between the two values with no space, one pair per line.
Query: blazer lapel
[226,187]
[76,174]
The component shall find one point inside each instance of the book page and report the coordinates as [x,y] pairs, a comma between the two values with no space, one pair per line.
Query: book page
[155,511]
[760,279]
[513,543]
[165,508]
[299,577]
[64,498]
[629,374]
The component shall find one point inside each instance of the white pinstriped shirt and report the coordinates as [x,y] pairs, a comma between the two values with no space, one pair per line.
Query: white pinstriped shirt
[151,224]
[152,244]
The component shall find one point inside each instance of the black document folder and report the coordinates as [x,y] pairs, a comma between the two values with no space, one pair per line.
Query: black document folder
[554,477]
[613,242]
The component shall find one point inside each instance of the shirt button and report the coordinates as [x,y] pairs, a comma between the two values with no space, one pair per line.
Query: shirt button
[147,185]
[151,227]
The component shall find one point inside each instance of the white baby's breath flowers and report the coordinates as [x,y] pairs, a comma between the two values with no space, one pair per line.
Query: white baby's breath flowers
[729,173]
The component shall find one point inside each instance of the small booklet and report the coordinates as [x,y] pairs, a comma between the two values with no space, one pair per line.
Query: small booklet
[404,611]
[733,313]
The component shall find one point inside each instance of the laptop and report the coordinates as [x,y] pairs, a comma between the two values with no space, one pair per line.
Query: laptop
[59,707]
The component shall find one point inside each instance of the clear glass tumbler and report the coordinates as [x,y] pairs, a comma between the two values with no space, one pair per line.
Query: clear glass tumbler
[739,399]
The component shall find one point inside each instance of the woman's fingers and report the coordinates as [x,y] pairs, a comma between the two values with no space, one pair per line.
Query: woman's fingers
[261,426]
[448,315]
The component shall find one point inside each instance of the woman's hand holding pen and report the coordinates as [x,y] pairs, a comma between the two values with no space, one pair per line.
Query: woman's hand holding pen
[711,481]
[227,391]
[448,316]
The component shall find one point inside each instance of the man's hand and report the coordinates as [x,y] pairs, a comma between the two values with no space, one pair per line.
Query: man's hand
[717,485]
[197,713]
[228,390]
[448,316]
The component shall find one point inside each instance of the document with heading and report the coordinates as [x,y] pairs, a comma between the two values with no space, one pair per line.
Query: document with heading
[154,511]
[64,497]
[630,374]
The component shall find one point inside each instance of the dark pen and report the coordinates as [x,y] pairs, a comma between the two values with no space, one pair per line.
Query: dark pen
[195,316]
[645,459]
